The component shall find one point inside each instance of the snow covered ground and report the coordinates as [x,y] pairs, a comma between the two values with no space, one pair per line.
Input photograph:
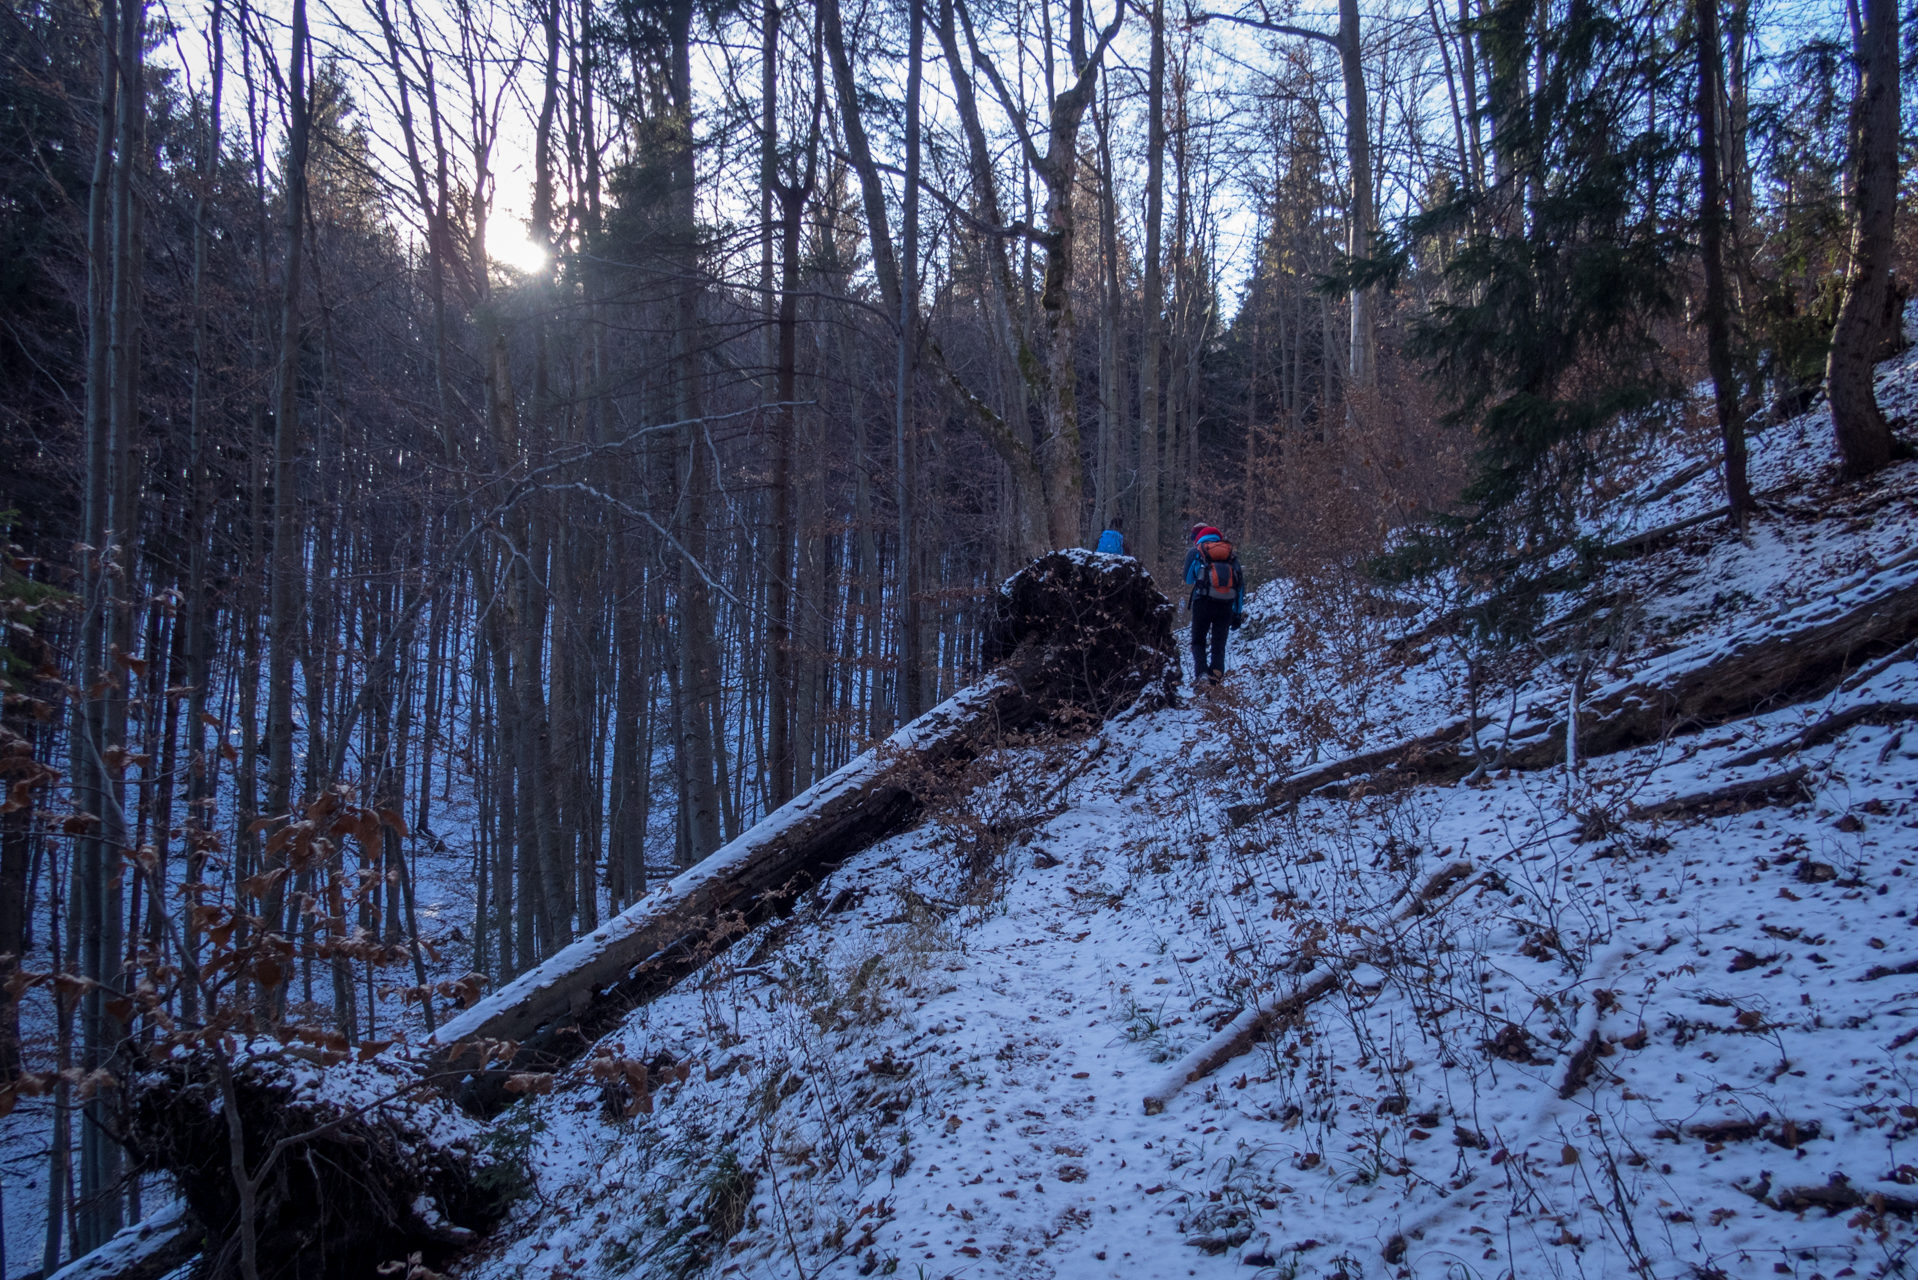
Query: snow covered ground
[1566,1032]
[1569,1032]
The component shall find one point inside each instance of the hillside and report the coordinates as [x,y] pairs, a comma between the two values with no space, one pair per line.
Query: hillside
[559,712]
[1521,1023]
[1335,970]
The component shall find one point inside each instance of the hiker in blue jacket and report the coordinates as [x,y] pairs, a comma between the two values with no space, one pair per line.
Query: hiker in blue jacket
[1112,541]
[1218,599]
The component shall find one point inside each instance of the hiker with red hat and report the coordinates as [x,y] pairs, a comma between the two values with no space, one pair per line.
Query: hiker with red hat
[1218,599]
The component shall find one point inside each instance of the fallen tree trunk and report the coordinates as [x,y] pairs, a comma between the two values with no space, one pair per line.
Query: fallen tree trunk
[1812,735]
[1800,654]
[1737,797]
[147,1250]
[1078,635]
[1626,548]
[1422,759]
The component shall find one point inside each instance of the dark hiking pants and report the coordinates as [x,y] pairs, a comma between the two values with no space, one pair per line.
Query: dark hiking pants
[1210,618]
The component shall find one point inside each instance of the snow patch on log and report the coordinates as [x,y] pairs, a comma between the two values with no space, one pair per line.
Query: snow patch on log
[146,1250]
[635,936]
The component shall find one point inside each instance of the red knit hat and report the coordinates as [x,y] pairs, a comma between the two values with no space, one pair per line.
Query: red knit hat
[1200,530]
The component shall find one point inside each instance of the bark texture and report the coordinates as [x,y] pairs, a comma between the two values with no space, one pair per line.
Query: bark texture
[1864,439]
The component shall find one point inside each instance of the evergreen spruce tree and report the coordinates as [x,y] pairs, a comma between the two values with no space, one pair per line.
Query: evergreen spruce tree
[1541,335]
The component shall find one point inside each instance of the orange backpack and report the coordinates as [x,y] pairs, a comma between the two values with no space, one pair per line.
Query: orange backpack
[1218,574]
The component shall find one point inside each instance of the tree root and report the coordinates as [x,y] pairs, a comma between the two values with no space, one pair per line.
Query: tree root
[356,1165]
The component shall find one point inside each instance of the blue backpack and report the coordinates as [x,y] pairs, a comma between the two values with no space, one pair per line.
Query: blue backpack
[1112,542]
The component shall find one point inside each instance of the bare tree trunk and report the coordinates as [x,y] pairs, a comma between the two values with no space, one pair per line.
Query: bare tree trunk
[15,862]
[538,807]
[1444,43]
[286,575]
[115,245]
[86,883]
[1151,542]
[910,638]
[1056,385]
[246,780]
[202,765]
[1006,429]
[778,544]
[791,201]
[60,1142]
[1468,72]
[513,866]
[1718,318]
[809,636]
[859,150]
[632,764]
[561,747]
[1112,398]
[698,659]
[1362,368]
[1732,147]
[1864,439]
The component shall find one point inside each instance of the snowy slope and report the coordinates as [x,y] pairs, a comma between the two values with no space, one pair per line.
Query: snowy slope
[1674,1042]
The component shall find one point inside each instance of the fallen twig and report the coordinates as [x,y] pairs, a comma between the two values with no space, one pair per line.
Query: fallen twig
[1782,788]
[1426,754]
[1243,1032]
[1825,730]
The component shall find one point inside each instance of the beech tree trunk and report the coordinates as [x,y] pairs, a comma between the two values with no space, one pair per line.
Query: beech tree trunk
[287,576]
[698,645]
[1362,365]
[1865,441]
[1712,221]
[115,290]
[906,555]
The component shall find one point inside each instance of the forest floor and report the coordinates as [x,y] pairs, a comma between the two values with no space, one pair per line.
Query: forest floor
[1680,1042]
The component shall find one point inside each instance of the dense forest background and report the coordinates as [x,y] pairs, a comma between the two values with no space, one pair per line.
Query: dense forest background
[513,448]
